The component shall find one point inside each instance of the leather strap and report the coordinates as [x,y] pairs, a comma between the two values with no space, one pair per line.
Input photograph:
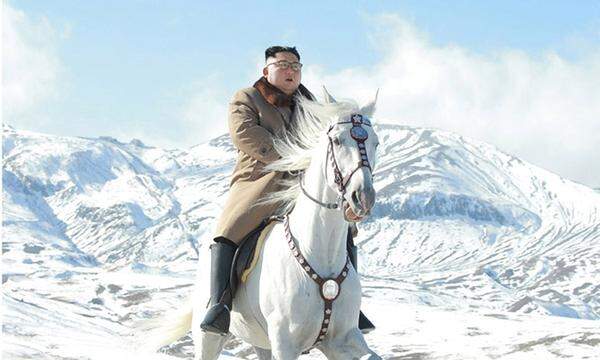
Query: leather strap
[360,136]
[322,283]
[331,206]
[357,122]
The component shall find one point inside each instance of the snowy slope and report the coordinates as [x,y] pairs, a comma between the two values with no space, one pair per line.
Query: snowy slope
[98,233]
[465,219]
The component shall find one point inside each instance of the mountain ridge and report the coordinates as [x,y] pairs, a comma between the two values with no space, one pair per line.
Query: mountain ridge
[458,225]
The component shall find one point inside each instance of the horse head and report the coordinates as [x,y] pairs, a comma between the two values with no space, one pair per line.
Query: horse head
[351,157]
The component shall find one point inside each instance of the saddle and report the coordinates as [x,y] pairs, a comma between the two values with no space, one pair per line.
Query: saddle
[248,251]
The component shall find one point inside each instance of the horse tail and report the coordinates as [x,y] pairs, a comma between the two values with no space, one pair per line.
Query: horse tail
[152,334]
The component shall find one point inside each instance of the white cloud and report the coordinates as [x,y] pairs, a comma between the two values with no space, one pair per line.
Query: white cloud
[544,109]
[30,64]
[205,113]
[200,114]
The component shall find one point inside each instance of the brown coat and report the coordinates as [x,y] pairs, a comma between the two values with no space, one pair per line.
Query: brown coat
[254,121]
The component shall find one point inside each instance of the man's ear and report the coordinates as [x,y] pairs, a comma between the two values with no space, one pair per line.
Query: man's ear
[265,71]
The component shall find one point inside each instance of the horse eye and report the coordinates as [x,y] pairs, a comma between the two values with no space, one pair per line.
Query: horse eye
[336,141]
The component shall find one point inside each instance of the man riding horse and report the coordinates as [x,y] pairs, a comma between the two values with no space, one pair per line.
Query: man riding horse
[257,115]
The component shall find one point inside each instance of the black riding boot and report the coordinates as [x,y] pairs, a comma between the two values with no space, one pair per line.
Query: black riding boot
[217,318]
[364,324]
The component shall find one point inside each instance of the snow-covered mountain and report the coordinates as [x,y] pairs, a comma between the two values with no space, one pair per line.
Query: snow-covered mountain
[98,233]
[456,216]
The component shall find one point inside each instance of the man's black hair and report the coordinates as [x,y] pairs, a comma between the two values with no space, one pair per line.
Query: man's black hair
[270,52]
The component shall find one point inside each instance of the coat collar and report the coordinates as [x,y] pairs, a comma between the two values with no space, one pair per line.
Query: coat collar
[278,98]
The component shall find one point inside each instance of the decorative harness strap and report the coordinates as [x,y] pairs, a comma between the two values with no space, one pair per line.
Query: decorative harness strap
[360,135]
[330,288]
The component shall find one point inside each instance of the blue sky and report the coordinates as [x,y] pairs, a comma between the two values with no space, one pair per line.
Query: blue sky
[154,69]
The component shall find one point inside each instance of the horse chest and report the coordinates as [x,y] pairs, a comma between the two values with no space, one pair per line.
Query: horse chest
[281,295]
[308,313]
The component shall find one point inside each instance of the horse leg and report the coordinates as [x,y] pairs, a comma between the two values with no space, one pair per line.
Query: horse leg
[263,354]
[352,346]
[284,353]
[208,346]
[281,343]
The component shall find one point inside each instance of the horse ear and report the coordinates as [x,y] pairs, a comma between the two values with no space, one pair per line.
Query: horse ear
[369,109]
[327,96]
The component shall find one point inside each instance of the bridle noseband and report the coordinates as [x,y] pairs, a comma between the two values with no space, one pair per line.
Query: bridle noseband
[360,135]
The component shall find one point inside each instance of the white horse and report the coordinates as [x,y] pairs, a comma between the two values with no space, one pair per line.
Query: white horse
[281,310]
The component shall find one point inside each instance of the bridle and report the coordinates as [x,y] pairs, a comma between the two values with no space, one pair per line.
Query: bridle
[329,288]
[360,135]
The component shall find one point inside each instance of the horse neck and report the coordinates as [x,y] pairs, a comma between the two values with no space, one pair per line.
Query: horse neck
[319,232]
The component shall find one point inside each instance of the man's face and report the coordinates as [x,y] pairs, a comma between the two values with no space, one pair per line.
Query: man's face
[286,80]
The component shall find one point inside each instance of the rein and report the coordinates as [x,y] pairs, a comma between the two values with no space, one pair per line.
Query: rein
[331,206]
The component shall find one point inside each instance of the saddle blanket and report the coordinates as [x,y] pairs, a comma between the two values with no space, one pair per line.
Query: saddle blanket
[247,254]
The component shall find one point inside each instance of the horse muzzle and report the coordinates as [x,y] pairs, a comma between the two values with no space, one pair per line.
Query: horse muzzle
[360,204]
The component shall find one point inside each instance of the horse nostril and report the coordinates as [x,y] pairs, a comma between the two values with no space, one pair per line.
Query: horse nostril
[367,199]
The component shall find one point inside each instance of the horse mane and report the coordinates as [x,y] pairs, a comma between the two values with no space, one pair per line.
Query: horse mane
[297,145]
